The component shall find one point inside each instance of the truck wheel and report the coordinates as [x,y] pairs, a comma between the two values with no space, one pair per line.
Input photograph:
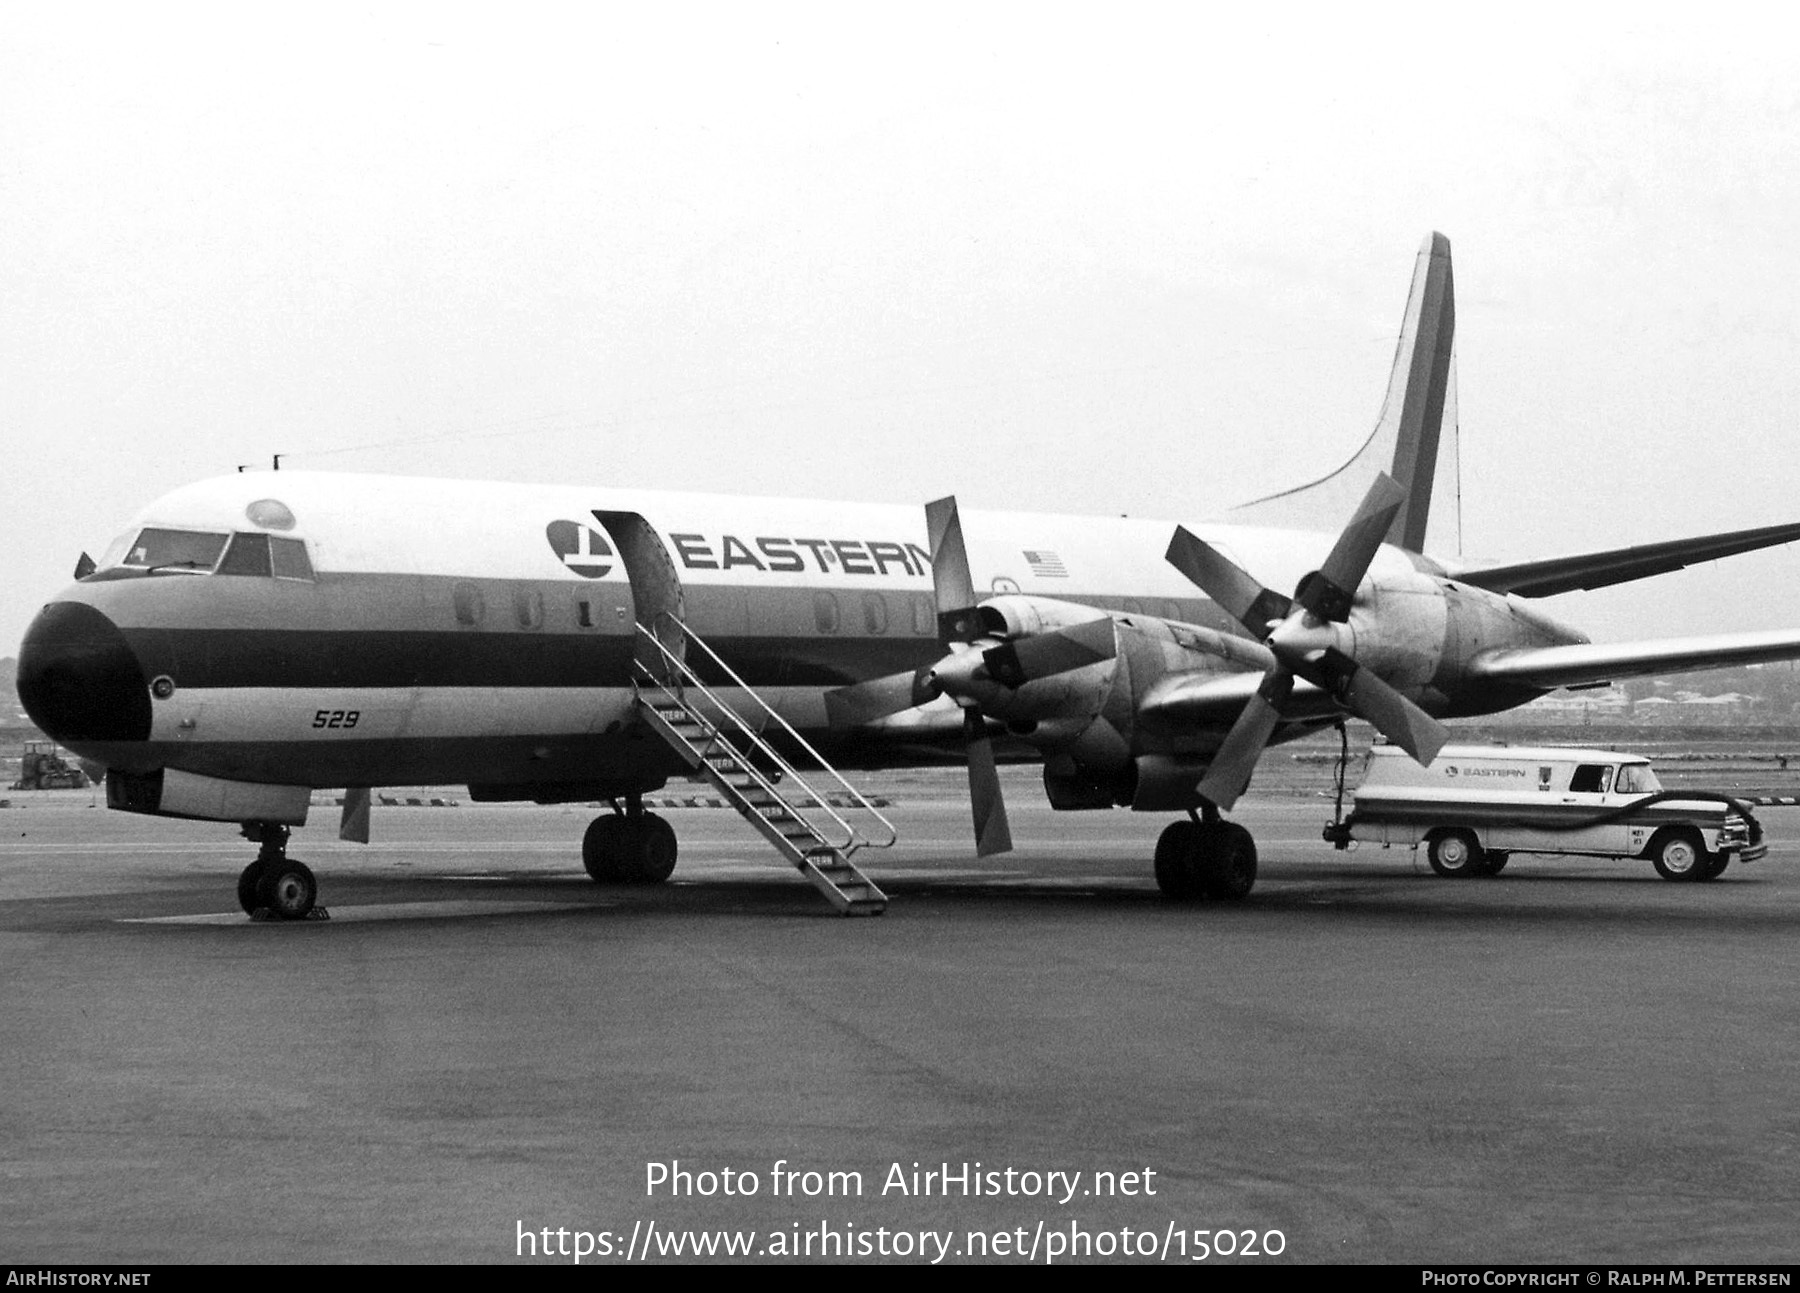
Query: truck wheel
[1677,855]
[1496,862]
[1716,867]
[1454,853]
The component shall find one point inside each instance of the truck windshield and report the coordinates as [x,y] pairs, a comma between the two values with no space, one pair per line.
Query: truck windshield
[1637,779]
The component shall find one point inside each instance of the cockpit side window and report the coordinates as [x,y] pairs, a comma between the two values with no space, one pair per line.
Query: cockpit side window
[247,555]
[159,549]
[290,559]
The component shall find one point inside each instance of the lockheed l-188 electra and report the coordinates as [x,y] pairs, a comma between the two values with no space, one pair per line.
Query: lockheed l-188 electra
[252,639]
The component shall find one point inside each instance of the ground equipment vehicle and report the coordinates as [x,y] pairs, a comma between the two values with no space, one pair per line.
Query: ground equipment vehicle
[1475,806]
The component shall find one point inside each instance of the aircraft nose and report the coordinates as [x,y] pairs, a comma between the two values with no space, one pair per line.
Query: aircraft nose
[78,677]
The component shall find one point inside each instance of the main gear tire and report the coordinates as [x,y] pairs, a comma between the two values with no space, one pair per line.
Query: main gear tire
[1178,862]
[1231,866]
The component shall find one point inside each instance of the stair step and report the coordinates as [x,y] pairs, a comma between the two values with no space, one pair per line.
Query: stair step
[775,812]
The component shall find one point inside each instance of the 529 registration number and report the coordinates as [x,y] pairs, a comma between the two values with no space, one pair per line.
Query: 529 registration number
[342,718]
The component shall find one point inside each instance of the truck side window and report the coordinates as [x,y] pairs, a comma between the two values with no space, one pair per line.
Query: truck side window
[1591,779]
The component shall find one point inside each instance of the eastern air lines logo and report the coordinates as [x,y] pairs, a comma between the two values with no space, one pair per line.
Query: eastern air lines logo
[582,548]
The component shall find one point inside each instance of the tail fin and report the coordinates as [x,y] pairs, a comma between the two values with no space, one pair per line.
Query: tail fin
[1412,418]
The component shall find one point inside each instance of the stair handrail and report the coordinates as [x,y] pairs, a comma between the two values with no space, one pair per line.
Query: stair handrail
[854,839]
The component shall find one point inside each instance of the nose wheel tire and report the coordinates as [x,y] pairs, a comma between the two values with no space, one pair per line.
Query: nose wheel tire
[246,891]
[287,889]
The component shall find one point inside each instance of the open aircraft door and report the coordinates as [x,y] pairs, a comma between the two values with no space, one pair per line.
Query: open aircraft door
[657,600]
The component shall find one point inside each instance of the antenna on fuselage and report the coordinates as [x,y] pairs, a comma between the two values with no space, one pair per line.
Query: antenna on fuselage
[278,458]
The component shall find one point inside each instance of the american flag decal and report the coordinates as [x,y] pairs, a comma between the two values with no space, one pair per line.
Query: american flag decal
[1046,564]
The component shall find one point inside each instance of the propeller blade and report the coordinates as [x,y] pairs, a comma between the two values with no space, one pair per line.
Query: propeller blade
[1013,664]
[992,834]
[1234,589]
[1368,696]
[951,582]
[353,825]
[1328,591]
[865,702]
[1229,775]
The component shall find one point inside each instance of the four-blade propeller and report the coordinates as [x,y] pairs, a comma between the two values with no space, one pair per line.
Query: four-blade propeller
[1305,636]
[959,625]
[1306,633]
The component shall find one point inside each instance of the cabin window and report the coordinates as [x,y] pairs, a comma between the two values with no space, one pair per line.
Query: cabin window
[247,555]
[159,549]
[875,612]
[289,559]
[924,616]
[528,608]
[471,609]
[825,612]
[1591,779]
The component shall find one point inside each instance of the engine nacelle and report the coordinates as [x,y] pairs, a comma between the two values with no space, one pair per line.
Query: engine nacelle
[1085,719]
[1019,615]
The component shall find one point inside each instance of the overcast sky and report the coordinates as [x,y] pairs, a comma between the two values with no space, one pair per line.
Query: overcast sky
[1093,259]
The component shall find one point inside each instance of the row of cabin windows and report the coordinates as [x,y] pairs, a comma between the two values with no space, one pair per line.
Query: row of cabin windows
[828,611]
[470,606]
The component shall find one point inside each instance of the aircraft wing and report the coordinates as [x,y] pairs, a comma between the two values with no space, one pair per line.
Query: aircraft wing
[1621,565]
[1590,662]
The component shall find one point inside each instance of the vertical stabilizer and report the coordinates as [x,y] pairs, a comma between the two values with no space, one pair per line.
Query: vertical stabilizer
[1405,440]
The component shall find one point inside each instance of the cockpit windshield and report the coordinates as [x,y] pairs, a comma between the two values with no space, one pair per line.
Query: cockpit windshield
[201,552]
[158,549]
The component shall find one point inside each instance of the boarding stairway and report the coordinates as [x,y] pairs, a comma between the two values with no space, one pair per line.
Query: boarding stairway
[718,743]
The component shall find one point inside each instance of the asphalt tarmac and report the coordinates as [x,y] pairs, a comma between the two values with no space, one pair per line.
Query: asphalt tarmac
[483,1055]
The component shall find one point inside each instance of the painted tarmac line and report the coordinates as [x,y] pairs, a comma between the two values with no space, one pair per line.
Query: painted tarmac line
[376,911]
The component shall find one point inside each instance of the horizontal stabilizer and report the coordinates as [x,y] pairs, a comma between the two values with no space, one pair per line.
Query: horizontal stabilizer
[1589,662]
[1621,565]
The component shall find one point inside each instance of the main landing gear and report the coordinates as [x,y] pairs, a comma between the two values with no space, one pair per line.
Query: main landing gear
[275,886]
[1205,857]
[629,846]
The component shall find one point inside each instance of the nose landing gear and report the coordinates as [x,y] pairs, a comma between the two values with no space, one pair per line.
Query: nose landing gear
[275,886]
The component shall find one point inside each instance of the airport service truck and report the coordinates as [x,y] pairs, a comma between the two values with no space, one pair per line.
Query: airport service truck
[1475,806]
